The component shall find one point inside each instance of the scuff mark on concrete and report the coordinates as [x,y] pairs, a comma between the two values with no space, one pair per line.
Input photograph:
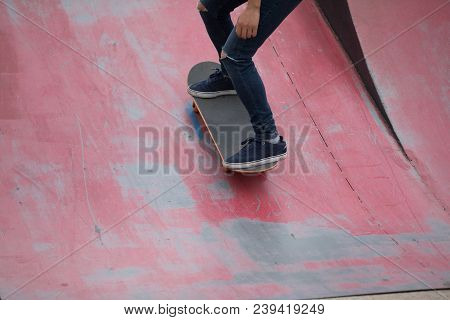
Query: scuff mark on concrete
[220,190]
[86,193]
[147,186]
[110,274]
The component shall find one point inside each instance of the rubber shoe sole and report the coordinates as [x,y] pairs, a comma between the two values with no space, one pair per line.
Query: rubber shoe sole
[210,95]
[251,164]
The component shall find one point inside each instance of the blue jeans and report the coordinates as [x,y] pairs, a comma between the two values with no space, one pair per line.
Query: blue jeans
[239,61]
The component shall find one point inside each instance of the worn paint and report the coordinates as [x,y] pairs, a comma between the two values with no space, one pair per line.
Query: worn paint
[411,75]
[77,219]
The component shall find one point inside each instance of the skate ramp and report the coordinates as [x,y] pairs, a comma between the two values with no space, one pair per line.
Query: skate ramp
[81,81]
[408,59]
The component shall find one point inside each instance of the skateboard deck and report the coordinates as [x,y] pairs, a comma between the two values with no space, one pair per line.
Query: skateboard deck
[225,118]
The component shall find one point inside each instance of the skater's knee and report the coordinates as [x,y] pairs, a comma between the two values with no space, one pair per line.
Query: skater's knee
[201,7]
[223,55]
[235,58]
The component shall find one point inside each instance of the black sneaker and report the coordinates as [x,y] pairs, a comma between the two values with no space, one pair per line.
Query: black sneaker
[216,85]
[257,152]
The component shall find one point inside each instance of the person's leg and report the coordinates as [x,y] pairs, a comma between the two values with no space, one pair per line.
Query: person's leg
[237,58]
[216,17]
[217,20]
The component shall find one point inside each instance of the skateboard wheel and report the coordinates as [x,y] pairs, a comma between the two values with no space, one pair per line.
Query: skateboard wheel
[194,106]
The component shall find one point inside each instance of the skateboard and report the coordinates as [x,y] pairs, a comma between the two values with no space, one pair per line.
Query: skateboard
[225,118]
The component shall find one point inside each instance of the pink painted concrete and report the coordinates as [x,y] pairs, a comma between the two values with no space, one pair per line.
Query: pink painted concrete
[77,220]
[411,75]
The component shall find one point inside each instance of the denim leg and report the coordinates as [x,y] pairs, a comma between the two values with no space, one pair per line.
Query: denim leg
[242,71]
[218,22]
